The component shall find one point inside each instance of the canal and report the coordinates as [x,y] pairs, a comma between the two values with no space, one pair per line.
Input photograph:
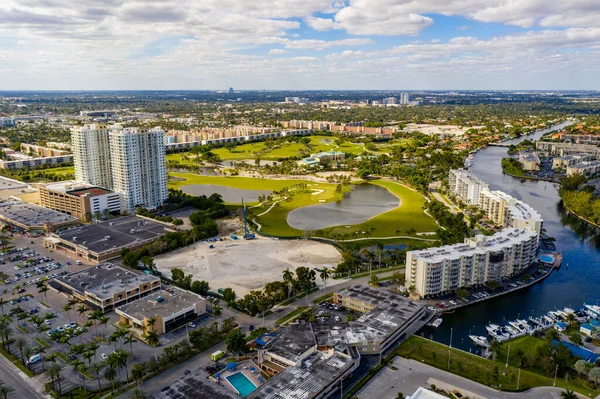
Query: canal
[578,280]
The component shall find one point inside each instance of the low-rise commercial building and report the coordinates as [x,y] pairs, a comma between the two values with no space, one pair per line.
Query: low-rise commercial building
[466,186]
[10,187]
[529,161]
[30,217]
[585,168]
[84,201]
[170,308]
[103,241]
[105,287]
[480,259]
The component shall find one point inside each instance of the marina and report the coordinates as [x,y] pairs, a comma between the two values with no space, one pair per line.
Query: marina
[571,286]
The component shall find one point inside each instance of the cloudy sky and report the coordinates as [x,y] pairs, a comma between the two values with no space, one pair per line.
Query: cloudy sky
[299,44]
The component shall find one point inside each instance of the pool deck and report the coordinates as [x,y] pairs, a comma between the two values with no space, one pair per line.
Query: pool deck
[242,367]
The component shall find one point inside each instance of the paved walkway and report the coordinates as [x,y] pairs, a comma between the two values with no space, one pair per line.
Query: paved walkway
[412,375]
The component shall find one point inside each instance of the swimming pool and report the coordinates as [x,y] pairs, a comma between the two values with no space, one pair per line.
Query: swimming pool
[547,258]
[241,383]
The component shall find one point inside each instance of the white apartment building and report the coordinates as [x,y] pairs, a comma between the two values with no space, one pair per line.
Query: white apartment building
[91,154]
[570,160]
[508,211]
[480,259]
[139,170]
[585,168]
[466,186]
[129,161]
[404,98]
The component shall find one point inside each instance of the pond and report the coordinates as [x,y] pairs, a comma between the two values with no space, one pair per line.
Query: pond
[361,204]
[229,194]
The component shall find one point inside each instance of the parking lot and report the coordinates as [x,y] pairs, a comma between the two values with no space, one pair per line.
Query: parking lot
[327,311]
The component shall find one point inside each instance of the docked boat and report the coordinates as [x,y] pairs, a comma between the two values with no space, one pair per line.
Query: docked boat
[491,328]
[436,323]
[479,340]
[513,331]
[593,308]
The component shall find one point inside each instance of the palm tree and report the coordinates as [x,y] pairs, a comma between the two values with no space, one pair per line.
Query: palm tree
[42,290]
[150,323]
[217,312]
[111,374]
[495,347]
[67,308]
[138,371]
[122,358]
[5,390]
[152,338]
[568,394]
[324,275]
[41,350]
[81,309]
[288,278]
[130,339]
[571,320]
[2,303]
[379,249]
[103,320]
[96,369]
[22,345]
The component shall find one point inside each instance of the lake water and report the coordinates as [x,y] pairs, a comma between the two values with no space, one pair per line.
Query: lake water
[361,204]
[578,280]
[229,194]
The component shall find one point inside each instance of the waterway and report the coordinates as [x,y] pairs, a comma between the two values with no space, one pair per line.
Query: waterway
[229,194]
[361,204]
[578,280]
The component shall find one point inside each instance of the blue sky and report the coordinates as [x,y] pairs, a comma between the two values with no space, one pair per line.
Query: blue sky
[299,44]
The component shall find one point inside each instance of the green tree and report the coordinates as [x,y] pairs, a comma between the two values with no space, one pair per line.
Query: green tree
[228,295]
[324,274]
[495,347]
[111,375]
[236,342]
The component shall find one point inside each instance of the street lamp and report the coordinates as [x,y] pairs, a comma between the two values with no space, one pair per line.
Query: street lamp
[555,373]
[507,355]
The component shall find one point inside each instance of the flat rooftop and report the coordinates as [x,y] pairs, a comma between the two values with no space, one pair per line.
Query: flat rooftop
[113,234]
[195,386]
[293,341]
[390,313]
[477,245]
[31,215]
[105,280]
[10,184]
[317,372]
[165,303]
[75,188]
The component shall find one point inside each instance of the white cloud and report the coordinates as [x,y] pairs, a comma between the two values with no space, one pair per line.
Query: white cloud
[277,51]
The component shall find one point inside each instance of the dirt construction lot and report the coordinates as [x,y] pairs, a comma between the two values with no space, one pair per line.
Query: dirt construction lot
[247,265]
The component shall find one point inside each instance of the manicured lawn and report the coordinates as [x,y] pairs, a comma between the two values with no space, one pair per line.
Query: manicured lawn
[65,170]
[246,183]
[409,215]
[481,370]
[251,150]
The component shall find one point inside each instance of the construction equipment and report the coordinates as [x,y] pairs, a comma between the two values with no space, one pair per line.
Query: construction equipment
[247,234]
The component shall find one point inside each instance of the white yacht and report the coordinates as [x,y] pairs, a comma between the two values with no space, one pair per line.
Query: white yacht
[492,328]
[479,340]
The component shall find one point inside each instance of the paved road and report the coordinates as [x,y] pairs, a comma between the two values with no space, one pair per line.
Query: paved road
[24,386]
[412,374]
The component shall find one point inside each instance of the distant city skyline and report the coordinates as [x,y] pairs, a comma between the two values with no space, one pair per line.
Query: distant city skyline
[299,45]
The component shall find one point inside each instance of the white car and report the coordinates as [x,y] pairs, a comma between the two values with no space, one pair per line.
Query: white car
[103,356]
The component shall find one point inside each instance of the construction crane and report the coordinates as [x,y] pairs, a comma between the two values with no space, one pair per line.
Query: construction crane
[247,234]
